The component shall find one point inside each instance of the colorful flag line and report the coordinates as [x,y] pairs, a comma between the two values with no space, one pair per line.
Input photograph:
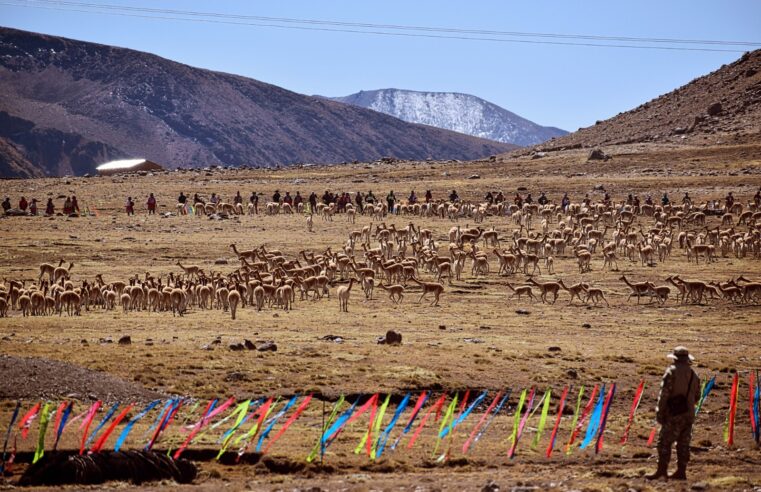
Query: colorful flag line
[253,421]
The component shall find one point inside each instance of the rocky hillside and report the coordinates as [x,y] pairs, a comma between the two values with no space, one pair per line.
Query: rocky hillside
[28,150]
[723,106]
[453,111]
[68,105]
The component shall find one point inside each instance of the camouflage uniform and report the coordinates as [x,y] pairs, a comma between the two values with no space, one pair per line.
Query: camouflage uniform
[677,428]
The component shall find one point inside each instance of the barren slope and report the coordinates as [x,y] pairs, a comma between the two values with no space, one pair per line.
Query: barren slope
[722,106]
[116,102]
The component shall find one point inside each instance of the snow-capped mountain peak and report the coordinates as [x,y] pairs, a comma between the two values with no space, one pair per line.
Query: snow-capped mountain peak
[462,113]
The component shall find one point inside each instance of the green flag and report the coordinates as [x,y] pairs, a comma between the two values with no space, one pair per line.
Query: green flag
[543,419]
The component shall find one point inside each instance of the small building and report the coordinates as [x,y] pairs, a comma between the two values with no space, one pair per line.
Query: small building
[127,166]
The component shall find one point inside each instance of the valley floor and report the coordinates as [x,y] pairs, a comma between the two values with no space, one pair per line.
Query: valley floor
[473,339]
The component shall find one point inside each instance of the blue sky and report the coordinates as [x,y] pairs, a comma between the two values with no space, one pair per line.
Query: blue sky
[564,86]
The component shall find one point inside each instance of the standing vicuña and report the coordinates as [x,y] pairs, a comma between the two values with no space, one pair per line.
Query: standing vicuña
[343,293]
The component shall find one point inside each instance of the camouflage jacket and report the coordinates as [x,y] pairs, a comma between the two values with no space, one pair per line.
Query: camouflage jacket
[675,382]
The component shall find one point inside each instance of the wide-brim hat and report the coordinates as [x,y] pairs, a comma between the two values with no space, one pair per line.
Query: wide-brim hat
[681,352]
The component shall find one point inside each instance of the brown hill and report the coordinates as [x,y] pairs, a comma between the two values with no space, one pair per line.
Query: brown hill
[68,105]
[723,106]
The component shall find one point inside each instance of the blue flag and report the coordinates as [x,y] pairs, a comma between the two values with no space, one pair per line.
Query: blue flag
[128,427]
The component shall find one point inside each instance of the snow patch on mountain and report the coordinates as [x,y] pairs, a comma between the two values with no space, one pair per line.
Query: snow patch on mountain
[462,113]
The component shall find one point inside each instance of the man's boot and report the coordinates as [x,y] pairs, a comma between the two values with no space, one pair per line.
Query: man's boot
[661,472]
[680,473]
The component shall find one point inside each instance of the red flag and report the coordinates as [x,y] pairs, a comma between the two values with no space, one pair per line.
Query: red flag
[604,418]
[164,422]
[262,411]
[26,420]
[368,444]
[635,404]
[652,436]
[464,402]
[102,439]
[733,409]
[86,424]
[584,414]
[288,423]
[354,416]
[437,408]
[554,434]
[481,422]
[361,410]
[752,386]
[58,414]
[201,423]
[421,399]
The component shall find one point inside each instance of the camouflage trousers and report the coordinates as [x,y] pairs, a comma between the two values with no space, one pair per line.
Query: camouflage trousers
[676,430]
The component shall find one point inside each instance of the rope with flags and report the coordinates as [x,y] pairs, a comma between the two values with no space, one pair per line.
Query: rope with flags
[382,431]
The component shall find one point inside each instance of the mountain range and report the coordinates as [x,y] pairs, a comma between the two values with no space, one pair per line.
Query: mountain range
[67,106]
[462,113]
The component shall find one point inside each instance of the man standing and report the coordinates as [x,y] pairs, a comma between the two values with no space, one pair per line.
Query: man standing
[298,200]
[390,201]
[358,200]
[254,200]
[151,204]
[680,391]
[729,200]
[312,203]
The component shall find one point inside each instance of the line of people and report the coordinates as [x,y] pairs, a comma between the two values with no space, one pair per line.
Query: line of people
[361,200]
[70,206]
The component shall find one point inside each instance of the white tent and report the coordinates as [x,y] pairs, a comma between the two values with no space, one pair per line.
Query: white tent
[127,166]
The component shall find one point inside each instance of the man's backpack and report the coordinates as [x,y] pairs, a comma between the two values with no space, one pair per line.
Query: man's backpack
[677,405]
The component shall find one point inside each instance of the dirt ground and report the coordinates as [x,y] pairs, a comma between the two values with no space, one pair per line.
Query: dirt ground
[473,339]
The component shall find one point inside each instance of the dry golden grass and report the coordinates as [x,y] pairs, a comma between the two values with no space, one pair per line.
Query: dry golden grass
[623,343]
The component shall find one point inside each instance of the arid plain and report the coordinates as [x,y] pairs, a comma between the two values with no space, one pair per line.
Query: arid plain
[473,339]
